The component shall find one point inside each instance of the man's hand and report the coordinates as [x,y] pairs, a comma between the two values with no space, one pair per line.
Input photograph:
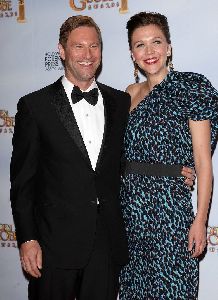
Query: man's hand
[189,175]
[31,258]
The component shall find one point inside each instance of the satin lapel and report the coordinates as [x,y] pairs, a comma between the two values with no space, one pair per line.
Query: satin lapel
[109,108]
[67,118]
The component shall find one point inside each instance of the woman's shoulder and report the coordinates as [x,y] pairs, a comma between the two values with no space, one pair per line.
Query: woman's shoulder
[191,79]
[134,88]
[198,95]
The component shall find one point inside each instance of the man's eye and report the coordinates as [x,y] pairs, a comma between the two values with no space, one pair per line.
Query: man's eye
[94,46]
[157,42]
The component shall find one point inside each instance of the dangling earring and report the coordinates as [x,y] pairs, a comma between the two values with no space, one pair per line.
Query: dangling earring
[170,65]
[169,59]
[136,72]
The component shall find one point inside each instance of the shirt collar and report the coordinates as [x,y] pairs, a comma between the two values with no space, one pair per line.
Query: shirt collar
[68,85]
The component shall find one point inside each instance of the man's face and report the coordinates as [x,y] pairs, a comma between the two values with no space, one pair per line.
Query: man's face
[82,56]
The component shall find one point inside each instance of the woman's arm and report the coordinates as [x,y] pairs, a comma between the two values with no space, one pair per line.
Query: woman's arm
[201,132]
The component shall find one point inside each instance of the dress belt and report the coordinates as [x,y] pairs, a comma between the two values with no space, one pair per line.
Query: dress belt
[133,167]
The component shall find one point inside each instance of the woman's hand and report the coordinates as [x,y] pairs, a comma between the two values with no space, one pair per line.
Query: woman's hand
[197,238]
[189,175]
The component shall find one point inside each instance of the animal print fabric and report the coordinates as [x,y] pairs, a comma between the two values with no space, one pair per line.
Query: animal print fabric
[158,211]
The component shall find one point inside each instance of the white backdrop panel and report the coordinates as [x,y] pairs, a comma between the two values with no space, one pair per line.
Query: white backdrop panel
[29,61]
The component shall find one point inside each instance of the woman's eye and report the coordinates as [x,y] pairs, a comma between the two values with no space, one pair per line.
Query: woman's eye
[139,45]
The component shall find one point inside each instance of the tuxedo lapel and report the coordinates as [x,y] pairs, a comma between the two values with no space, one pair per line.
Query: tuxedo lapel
[109,108]
[67,118]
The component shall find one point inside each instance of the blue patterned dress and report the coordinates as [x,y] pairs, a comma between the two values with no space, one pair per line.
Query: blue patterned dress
[158,211]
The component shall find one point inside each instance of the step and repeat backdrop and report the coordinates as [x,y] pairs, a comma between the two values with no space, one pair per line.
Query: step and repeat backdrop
[29,60]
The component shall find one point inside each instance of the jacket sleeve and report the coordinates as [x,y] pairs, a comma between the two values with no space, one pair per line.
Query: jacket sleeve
[23,171]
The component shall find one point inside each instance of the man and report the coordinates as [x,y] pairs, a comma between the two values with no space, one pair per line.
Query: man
[65,173]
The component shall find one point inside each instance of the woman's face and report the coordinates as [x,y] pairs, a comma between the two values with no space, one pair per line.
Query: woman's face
[150,49]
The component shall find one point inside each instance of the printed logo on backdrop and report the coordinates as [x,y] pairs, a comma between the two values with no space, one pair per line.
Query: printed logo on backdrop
[7,236]
[80,5]
[10,9]
[53,61]
[6,122]
[212,239]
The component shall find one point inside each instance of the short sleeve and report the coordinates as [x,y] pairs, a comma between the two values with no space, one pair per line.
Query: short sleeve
[203,104]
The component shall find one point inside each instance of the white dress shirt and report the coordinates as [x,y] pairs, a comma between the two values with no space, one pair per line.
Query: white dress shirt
[90,120]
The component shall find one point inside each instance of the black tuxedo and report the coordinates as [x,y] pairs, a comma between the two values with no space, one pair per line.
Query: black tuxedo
[54,189]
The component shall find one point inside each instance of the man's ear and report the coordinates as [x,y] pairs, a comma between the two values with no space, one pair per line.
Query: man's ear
[61,51]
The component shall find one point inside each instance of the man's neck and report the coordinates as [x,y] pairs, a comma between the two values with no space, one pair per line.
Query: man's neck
[83,85]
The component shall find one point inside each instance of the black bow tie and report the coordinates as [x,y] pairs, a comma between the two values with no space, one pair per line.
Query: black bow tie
[91,97]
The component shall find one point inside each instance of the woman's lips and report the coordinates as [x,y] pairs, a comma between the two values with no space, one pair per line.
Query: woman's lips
[151,61]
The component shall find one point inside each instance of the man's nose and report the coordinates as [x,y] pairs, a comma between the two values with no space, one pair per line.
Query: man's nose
[88,53]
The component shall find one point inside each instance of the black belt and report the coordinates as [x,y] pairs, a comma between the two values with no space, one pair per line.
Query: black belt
[133,167]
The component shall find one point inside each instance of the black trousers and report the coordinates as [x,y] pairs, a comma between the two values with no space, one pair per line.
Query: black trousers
[98,280]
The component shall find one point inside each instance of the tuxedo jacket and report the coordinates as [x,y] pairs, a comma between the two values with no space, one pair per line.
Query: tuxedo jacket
[54,190]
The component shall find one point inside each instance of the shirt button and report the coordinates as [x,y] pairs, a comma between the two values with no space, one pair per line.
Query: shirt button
[87,115]
[90,142]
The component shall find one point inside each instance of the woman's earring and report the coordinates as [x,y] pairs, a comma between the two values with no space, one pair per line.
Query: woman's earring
[136,72]
[170,65]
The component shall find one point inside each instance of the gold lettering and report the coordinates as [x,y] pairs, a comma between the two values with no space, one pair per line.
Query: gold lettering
[123,6]
[213,240]
[21,13]
[215,231]
[6,233]
[7,227]
[9,121]
[5,5]
[3,116]
[4,236]
[74,7]
[212,236]
[5,120]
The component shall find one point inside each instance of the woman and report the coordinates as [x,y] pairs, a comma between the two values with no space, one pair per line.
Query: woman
[173,122]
